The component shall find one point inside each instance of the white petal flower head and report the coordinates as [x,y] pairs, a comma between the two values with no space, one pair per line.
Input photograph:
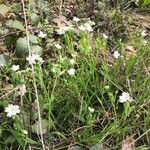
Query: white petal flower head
[116,54]
[71,71]
[91,23]
[76,19]
[143,33]
[42,35]
[125,97]
[58,46]
[63,29]
[88,27]
[15,67]
[33,58]
[82,28]
[22,90]
[105,36]
[72,61]
[60,31]
[91,110]
[12,110]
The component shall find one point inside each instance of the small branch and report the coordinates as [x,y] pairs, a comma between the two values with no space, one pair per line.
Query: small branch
[34,80]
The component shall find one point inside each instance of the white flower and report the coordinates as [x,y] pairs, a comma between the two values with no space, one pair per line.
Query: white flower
[125,97]
[71,71]
[12,110]
[91,23]
[116,54]
[91,110]
[22,90]
[15,67]
[76,19]
[105,36]
[88,27]
[72,61]
[63,28]
[25,132]
[143,33]
[58,46]
[42,35]
[33,58]
[82,28]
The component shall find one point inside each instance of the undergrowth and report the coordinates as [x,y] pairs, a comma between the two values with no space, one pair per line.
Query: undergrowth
[91,85]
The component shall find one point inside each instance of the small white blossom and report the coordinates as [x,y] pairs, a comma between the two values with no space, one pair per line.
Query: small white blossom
[72,61]
[82,28]
[88,27]
[125,97]
[105,36]
[12,110]
[143,33]
[76,19]
[25,132]
[91,23]
[42,35]
[63,29]
[22,90]
[91,110]
[116,54]
[58,46]
[71,71]
[15,67]
[33,58]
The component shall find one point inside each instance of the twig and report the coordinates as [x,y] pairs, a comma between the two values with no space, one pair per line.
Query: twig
[33,73]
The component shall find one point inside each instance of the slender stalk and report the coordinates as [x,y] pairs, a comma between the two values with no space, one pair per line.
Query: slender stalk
[34,80]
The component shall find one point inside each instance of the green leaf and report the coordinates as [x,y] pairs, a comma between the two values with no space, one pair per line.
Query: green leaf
[15,24]
[21,47]
[130,64]
[4,9]
[36,49]
[34,39]
[35,18]
[36,127]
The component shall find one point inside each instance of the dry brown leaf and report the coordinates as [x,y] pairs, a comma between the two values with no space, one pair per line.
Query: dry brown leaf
[126,144]
[130,51]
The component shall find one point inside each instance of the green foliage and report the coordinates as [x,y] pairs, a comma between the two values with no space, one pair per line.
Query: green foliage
[75,76]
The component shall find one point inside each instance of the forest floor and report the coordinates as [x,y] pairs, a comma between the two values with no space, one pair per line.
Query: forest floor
[74,75]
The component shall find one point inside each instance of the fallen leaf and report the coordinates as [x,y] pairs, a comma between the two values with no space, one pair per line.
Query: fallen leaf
[126,144]
[130,51]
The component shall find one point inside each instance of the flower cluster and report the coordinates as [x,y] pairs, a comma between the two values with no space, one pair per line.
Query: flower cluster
[87,26]
[62,29]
